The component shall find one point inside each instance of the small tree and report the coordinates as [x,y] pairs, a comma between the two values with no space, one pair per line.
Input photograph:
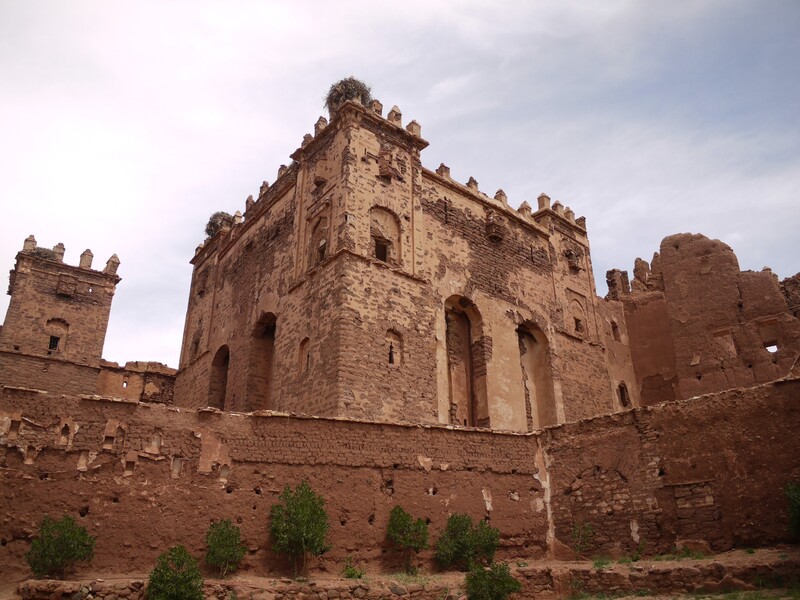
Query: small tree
[793,494]
[176,577]
[407,535]
[59,545]
[299,524]
[465,545]
[225,549]
[492,583]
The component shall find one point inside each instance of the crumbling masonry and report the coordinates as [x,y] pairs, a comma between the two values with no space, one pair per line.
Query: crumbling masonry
[395,336]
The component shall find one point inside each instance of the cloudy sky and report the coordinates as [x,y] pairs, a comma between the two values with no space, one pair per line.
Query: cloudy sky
[124,125]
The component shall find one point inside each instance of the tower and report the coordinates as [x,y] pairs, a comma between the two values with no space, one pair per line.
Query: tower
[55,327]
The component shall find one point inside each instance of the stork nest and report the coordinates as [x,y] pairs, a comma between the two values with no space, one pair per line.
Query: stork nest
[348,88]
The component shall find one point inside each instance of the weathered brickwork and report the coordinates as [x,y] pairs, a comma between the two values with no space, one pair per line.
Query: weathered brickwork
[394,293]
[143,477]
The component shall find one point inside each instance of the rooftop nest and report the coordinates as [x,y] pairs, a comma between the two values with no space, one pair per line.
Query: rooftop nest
[348,88]
[217,221]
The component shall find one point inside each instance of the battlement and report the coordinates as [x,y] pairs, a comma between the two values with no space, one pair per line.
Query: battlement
[56,254]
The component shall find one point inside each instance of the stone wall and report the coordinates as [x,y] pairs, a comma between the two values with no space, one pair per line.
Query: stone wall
[143,477]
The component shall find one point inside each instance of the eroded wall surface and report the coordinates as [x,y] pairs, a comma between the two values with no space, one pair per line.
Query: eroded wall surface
[392,292]
[143,477]
[697,324]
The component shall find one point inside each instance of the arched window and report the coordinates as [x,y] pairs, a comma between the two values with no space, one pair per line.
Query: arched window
[57,330]
[578,319]
[260,363]
[384,231]
[537,376]
[219,378]
[466,361]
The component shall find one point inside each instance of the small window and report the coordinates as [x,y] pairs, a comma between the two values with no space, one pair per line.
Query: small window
[54,340]
[391,353]
[615,331]
[381,250]
[624,397]
[578,325]
[125,383]
[771,347]
[321,251]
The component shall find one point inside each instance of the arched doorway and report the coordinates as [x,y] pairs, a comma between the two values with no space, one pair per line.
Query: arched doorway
[219,378]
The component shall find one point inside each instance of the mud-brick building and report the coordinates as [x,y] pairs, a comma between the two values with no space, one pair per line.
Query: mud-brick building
[55,327]
[362,285]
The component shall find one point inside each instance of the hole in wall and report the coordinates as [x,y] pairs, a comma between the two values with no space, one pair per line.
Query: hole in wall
[772,348]
[388,486]
[257,490]
[44,476]
[83,511]
[16,348]
[428,520]
[238,520]
[342,521]
[661,472]
[699,377]
[750,366]
[229,489]
[3,542]
[433,490]
[254,506]
[115,499]
[396,466]
[371,519]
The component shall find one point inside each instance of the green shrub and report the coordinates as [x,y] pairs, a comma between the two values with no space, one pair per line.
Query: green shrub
[793,493]
[407,535]
[299,524]
[601,563]
[224,547]
[59,545]
[351,571]
[176,577]
[582,537]
[491,583]
[464,545]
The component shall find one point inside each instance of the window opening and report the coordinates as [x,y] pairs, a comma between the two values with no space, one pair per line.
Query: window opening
[381,250]
[391,353]
[323,247]
[624,398]
[125,383]
[615,331]
[578,325]
[771,347]
[54,340]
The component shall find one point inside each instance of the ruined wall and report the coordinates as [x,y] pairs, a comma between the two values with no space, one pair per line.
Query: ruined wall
[790,287]
[698,325]
[141,381]
[143,477]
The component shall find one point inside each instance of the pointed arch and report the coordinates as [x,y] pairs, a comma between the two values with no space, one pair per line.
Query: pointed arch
[537,376]
[260,364]
[219,378]
[466,362]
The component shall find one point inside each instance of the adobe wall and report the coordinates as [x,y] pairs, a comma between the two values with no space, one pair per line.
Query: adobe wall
[416,294]
[137,380]
[698,324]
[143,477]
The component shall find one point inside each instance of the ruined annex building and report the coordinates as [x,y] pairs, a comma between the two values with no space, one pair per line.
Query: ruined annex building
[397,337]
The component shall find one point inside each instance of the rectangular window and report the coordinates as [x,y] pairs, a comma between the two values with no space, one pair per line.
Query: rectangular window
[54,340]
[381,250]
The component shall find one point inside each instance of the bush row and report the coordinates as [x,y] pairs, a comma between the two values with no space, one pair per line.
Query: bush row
[299,528]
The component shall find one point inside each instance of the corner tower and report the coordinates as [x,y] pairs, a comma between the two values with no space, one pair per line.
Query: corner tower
[55,327]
